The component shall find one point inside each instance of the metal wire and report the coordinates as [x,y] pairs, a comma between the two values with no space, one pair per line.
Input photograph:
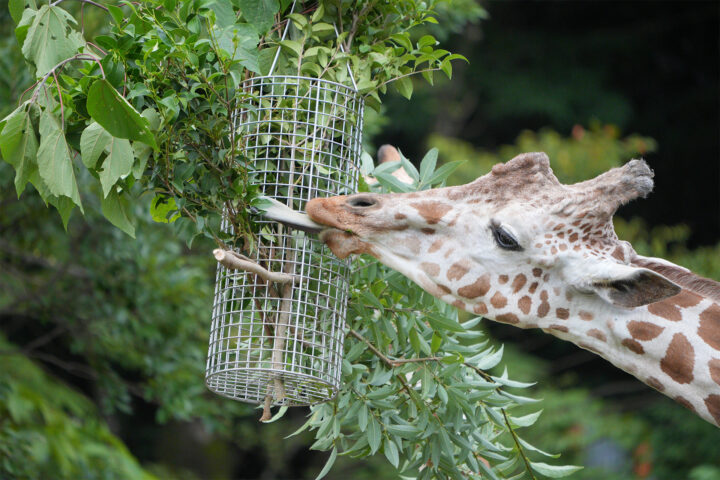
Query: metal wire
[301,137]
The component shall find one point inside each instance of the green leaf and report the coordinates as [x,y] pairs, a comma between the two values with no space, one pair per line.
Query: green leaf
[54,162]
[293,46]
[427,165]
[118,163]
[404,86]
[526,420]
[391,453]
[491,360]
[553,471]
[259,13]
[280,413]
[93,141]
[51,39]
[16,8]
[111,110]
[373,434]
[443,323]
[441,174]
[19,145]
[161,207]
[224,12]
[391,183]
[328,464]
[116,13]
[115,210]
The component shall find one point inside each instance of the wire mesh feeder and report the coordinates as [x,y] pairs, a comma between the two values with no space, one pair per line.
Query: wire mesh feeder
[283,343]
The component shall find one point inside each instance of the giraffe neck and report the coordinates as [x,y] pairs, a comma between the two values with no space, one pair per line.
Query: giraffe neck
[672,346]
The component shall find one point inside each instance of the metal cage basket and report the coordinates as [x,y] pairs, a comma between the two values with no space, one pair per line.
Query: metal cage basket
[302,139]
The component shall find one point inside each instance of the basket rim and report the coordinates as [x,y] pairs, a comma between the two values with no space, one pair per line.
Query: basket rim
[303,77]
[335,389]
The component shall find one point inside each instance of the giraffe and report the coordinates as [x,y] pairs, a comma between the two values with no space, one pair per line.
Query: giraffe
[517,246]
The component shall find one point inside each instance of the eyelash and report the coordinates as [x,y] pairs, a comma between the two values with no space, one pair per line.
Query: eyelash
[505,240]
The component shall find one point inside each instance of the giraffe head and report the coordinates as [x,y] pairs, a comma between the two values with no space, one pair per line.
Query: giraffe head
[507,243]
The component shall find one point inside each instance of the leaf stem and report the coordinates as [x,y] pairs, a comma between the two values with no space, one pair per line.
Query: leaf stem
[57,2]
[517,444]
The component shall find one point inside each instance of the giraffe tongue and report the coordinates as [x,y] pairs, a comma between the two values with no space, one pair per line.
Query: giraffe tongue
[287,216]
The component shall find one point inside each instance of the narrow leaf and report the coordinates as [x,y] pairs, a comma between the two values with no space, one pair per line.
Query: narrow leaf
[443,172]
[427,165]
[391,453]
[328,464]
[553,471]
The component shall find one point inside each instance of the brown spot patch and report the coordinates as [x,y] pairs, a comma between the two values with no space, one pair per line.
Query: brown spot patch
[633,346]
[685,403]
[585,315]
[559,328]
[444,288]
[655,383]
[458,270]
[498,300]
[459,304]
[427,231]
[431,269]
[476,289]
[536,272]
[543,309]
[685,299]
[598,334]
[712,402]
[544,295]
[644,330]
[400,216]
[518,282]
[524,304]
[679,359]
[562,313]
[714,365]
[573,238]
[507,318]
[412,243]
[618,253]
[709,329]
[563,247]
[436,245]
[533,287]
[480,308]
[432,211]
[503,279]
[665,310]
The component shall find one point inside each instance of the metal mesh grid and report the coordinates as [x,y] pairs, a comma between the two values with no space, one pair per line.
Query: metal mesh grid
[301,137]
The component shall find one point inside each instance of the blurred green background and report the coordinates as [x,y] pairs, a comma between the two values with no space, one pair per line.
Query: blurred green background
[103,339]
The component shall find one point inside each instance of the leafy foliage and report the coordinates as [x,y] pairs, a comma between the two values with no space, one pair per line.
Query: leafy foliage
[148,106]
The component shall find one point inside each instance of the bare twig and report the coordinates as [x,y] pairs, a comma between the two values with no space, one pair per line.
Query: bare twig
[57,2]
[236,261]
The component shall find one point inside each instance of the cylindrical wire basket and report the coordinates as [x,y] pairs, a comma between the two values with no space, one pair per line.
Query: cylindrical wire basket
[302,139]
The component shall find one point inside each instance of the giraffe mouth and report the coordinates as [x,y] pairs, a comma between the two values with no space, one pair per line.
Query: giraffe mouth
[336,234]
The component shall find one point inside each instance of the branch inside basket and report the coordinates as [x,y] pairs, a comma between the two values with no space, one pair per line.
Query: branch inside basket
[237,261]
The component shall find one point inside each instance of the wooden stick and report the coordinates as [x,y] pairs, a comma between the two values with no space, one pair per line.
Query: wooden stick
[236,261]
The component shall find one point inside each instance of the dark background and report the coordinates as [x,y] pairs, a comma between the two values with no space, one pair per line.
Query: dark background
[648,67]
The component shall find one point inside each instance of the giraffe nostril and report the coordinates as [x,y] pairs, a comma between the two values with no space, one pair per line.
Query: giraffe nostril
[362,201]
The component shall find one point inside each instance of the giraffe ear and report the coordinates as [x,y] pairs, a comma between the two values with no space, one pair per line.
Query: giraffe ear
[627,286]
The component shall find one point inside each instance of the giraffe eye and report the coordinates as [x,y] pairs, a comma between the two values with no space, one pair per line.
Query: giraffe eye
[504,239]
